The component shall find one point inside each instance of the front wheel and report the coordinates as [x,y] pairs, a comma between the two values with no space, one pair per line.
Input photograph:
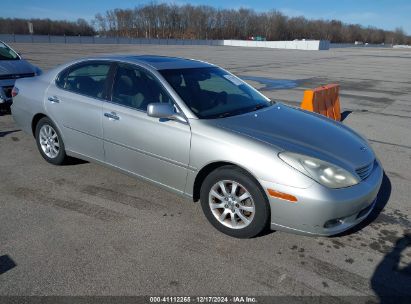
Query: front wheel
[234,202]
[49,142]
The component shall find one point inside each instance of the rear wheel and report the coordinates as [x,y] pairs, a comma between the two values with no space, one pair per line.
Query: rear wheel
[234,203]
[49,142]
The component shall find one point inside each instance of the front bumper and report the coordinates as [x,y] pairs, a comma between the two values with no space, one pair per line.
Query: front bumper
[323,211]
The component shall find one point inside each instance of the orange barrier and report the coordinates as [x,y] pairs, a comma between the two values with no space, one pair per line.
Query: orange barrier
[324,100]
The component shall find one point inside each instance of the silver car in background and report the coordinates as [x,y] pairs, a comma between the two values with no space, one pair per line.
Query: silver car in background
[12,67]
[198,130]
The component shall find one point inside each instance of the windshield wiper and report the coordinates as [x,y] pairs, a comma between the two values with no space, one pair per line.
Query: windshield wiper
[225,114]
[241,111]
[259,106]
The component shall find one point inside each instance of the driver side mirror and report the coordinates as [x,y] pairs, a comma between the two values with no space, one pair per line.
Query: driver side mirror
[164,110]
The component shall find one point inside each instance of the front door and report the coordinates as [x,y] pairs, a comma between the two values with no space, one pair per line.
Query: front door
[152,148]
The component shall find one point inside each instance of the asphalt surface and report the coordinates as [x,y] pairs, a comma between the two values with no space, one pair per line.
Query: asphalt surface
[83,229]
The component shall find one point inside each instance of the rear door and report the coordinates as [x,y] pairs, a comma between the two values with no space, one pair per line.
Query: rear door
[74,102]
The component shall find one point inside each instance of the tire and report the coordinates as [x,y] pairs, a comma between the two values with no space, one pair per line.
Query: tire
[5,109]
[49,142]
[215,204]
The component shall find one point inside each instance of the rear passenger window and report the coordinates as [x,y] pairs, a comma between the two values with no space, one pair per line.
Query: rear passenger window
[87,79]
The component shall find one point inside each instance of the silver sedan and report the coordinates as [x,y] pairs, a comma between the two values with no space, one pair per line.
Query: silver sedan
[198,130]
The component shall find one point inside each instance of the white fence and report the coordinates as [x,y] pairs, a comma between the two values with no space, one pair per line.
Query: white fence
[296,45]
[402,46]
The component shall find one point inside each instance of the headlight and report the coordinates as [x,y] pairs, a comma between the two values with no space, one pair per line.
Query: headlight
[323,172]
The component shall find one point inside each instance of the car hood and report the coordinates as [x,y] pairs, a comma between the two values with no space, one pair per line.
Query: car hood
[16,67]
[291,129]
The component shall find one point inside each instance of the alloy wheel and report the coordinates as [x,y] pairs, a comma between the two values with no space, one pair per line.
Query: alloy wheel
[231,204]
[49,141]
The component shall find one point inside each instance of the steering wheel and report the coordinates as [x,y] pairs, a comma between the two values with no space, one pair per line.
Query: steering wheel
[220,98]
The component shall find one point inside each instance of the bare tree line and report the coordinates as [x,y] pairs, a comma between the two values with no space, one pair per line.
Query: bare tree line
[46,27]
[205,22]
[164,20]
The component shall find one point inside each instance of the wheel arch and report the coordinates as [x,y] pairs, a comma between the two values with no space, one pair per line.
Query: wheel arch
[35,121]
[210,167]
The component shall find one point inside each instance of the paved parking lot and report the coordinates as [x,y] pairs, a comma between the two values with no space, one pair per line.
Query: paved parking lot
[83,229]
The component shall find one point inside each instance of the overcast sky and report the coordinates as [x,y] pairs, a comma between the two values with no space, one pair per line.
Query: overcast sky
[379,13]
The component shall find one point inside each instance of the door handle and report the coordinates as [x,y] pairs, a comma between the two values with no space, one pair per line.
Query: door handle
[53,99]
[112,116]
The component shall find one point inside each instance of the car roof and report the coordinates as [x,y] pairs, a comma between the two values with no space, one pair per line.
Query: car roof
[161,62]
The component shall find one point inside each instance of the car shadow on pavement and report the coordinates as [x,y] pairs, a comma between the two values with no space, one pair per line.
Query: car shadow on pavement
[382,199]
[4,133]
[72,161]
[390,281]
[6,263]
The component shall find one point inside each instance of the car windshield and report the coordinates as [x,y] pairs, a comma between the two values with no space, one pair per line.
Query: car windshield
[7,53]
[213,93]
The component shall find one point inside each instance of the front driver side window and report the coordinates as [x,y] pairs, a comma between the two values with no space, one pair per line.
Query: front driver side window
[136,88]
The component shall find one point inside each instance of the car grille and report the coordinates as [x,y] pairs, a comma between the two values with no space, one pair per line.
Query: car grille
[365,171]
[16,76]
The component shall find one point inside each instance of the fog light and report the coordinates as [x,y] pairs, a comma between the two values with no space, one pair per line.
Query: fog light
[333,223]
